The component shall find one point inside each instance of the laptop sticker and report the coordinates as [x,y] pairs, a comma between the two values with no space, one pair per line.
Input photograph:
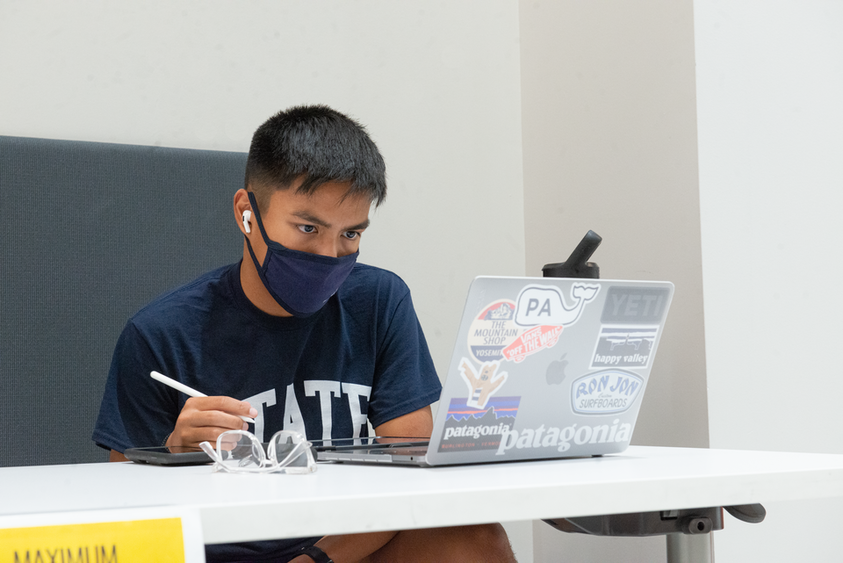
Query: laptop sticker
[493,330]
[482,385]
[469,428]
[605,392]
[561,438]
[624,347]
[532,341]
[544,305]
[635,305]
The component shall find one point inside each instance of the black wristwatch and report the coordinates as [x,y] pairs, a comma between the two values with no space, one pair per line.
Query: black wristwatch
[316,554]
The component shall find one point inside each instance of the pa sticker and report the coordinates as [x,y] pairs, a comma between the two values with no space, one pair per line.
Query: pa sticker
[544,305]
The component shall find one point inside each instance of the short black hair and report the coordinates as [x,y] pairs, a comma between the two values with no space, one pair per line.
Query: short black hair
[318,144]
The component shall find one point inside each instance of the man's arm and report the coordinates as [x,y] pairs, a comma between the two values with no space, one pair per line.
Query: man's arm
[417,424]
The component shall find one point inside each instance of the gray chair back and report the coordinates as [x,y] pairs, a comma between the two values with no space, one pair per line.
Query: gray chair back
[90,232]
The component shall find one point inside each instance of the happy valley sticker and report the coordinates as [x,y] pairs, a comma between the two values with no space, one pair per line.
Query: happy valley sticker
[628,346]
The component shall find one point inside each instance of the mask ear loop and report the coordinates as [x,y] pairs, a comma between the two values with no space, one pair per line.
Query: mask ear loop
[257,214]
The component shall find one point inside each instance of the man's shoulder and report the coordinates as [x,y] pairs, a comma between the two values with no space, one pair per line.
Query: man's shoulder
[195,296]
[371,280]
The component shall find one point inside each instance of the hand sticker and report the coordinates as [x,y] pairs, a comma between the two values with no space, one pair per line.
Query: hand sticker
[481,387]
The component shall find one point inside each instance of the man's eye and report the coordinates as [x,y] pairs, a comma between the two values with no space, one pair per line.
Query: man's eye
[351,235]
[307,229]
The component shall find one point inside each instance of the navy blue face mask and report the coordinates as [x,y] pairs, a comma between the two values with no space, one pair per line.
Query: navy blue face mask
[300,282]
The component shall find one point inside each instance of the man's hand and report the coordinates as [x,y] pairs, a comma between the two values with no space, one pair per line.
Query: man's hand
[205,418]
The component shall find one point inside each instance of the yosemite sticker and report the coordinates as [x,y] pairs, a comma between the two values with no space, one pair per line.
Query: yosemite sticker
[604,392]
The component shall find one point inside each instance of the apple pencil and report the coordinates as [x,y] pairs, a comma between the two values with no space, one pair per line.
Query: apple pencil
[189,391]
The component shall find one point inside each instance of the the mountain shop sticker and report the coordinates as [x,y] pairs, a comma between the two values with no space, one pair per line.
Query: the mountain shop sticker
[493,330]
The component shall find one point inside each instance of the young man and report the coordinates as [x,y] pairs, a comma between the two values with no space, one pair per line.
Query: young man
[310,339]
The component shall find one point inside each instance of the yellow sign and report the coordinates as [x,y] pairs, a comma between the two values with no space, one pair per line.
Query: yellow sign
[159,540]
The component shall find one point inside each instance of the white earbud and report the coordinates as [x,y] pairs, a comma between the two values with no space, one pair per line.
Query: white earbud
[247,216]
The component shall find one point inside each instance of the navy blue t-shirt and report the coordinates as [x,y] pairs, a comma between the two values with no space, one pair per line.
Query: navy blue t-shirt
[362,356]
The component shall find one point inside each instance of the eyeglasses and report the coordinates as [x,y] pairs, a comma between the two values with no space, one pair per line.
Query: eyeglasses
[239,451]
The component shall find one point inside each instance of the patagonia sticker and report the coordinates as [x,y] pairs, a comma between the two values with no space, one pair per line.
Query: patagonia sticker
[469,428]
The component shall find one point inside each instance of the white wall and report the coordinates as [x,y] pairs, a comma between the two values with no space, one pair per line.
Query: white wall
[769,90]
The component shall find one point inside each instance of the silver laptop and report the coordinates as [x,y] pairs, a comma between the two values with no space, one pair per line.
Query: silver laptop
[542,368]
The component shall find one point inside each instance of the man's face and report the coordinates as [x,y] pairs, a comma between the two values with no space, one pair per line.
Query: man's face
[324,222]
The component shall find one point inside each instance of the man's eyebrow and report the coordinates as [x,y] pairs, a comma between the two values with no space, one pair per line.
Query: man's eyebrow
[305,216]
[360,226]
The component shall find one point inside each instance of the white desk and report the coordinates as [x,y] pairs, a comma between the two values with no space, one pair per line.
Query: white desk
[348,498]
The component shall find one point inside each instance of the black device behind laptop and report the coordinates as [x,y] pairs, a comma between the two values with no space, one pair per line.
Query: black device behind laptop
[168,455]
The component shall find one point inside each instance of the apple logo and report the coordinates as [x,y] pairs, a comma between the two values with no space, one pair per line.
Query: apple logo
[556,371]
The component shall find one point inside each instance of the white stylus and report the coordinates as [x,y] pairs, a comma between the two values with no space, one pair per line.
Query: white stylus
[189,391]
